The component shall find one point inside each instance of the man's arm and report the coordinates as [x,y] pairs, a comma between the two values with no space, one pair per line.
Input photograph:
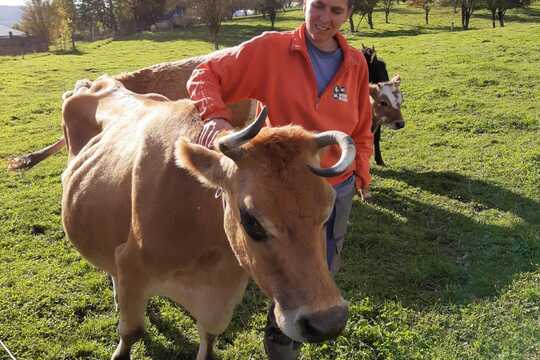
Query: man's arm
[363,138]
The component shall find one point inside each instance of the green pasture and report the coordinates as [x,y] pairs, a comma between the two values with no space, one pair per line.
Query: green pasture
[444,264]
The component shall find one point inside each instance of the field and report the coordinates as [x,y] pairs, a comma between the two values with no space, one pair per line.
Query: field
[444,264]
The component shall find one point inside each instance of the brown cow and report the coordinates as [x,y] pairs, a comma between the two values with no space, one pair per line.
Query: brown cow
[133,205]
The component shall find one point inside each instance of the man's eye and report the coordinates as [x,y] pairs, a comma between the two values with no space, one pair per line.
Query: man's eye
[252,226]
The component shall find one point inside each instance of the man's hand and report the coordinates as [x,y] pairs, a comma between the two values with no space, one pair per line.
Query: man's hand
[210,129]
[364,193]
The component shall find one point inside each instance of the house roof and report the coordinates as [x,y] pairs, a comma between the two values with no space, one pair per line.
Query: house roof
[4,32]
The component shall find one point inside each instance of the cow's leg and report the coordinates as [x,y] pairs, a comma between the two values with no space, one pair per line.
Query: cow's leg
[376,143]
[206,346]
[115,294]
[211,304]
[132,293]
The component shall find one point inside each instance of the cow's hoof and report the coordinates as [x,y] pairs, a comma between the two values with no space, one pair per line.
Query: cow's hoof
[121,352]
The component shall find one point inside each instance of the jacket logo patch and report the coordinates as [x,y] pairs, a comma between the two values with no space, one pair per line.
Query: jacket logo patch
[340,93]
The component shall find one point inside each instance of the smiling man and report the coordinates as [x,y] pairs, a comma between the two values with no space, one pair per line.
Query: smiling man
[309,77]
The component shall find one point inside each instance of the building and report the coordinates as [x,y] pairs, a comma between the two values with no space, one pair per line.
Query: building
[15,42]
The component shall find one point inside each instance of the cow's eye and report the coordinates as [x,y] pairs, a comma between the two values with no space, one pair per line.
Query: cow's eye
[384,103]
[253,228]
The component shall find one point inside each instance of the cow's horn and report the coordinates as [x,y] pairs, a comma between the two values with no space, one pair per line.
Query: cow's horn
[348,152]
[228,143]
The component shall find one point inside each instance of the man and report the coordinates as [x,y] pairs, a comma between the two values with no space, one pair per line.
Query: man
[309,77]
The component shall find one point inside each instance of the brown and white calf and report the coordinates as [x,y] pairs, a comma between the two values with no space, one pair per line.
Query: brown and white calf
[138,202]
[386,100]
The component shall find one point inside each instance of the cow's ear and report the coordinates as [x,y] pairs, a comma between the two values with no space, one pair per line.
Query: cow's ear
[396,79]
[211,168]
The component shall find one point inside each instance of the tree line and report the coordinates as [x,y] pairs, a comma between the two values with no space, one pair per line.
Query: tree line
[63,21]
[498,8]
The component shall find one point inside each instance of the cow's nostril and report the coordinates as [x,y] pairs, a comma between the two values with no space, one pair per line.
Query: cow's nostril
[323,325]
[309,331]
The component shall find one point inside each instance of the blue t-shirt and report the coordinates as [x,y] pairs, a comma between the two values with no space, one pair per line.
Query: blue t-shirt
[325,64]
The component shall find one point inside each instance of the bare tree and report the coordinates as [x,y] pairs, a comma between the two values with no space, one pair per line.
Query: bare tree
[363,8]
[38,19]
[467,9]
[270,8]
[213,12]
[427,8]
[65,23]
[387,6]
[498,8]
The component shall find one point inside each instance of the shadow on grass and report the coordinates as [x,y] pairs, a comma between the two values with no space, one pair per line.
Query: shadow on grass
[184,349]
[423,254]
[404,32]
[253,304]
[68,52]
[230,35]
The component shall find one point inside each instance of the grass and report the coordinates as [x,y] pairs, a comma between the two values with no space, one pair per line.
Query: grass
[443,265]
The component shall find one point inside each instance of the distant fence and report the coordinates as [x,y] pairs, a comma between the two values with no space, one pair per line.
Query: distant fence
[19,45]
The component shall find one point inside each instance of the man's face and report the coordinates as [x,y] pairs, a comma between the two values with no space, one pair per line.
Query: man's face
[324,19]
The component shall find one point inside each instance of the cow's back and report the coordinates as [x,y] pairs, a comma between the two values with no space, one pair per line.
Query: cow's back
[170,79]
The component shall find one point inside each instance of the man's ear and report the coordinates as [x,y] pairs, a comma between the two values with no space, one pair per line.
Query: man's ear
[210,167]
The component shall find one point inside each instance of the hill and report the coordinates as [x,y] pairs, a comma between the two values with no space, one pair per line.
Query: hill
[9,15]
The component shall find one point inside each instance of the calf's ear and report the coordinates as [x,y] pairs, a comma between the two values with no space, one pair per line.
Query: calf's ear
[396,80]
[374,91]
[211,168]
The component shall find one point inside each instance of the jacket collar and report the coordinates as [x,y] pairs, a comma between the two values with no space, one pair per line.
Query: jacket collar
[298,43]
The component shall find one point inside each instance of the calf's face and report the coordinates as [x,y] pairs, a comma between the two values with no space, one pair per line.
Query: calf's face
[386,100]
[275,212]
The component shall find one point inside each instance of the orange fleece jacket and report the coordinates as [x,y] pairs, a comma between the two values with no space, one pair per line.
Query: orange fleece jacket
[275,69]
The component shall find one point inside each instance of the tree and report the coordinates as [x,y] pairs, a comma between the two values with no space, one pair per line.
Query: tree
[38,19]
[212,12]
[65,23]
[501,6]
[270,8]
[387,6]
[91,14]
[427,9]
[467,9]
[492,6]
[363,8]
[366,9]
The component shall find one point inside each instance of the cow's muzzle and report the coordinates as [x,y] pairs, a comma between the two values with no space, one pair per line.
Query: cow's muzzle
[323,325]
[396,125]
[314,327]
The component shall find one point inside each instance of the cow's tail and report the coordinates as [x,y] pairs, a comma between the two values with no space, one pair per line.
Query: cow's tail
[25,162]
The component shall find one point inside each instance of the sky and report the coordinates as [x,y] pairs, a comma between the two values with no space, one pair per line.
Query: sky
[12,2]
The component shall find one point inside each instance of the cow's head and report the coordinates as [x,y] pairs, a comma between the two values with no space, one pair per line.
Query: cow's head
[386,101]
[276,205]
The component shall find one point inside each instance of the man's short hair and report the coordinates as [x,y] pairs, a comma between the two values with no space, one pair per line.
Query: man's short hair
[350,3]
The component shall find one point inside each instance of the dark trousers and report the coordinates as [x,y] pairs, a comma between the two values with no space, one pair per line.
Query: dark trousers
[336,227]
